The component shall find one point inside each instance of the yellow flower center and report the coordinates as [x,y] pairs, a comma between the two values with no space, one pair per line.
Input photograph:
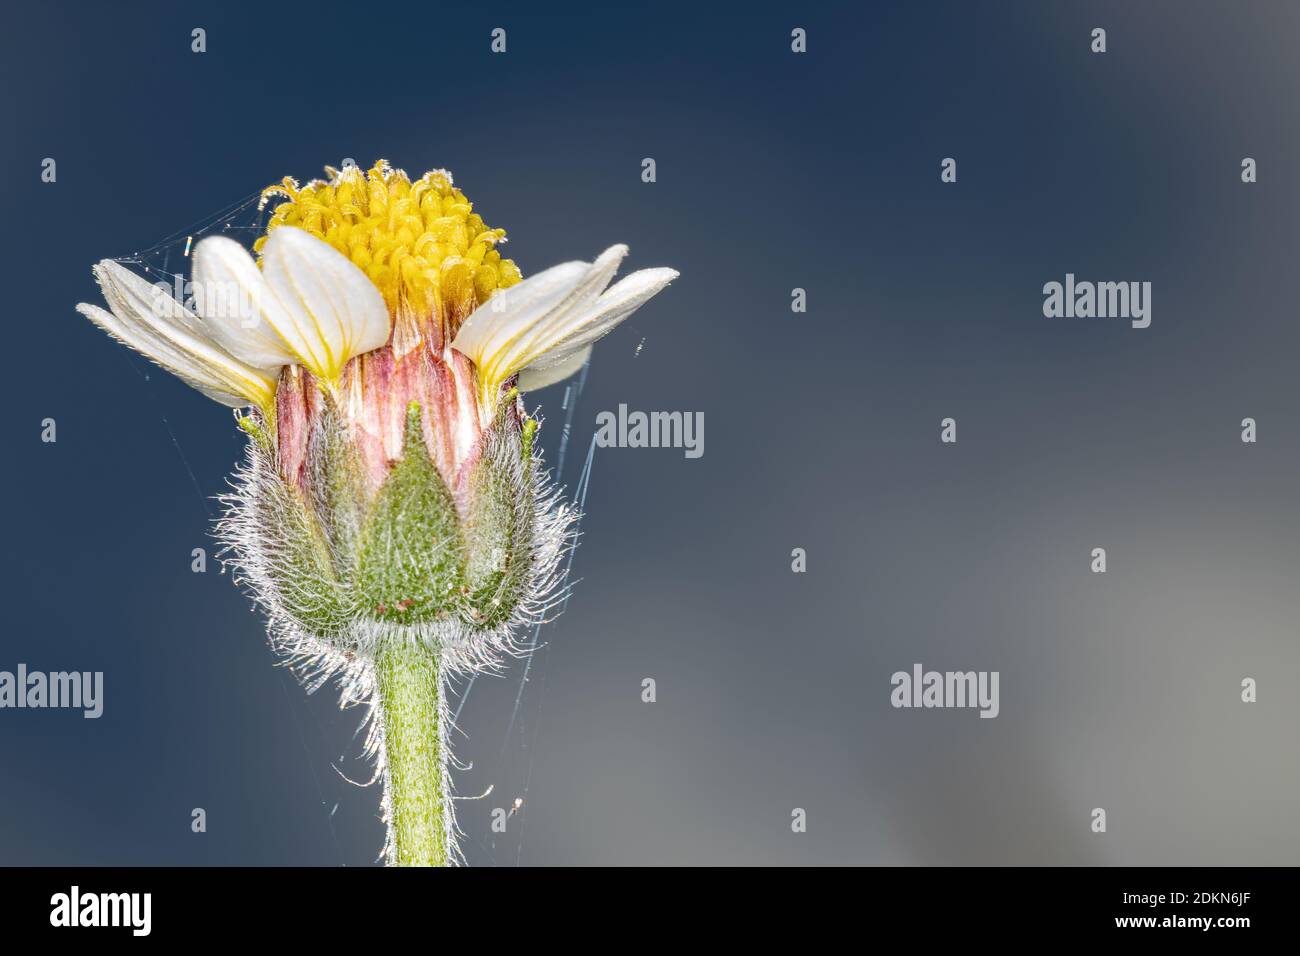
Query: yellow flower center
[420,242]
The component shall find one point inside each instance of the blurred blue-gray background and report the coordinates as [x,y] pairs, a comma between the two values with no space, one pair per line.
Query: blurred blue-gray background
[774,170]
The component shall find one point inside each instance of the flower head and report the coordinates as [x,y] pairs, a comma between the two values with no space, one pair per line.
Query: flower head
[393,495]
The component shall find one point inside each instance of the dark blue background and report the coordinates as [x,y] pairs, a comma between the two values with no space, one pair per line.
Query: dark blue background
[775,170]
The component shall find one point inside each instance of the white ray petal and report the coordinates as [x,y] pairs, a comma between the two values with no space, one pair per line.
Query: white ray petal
[333,303]
[519,336]
[545,324]
[581,329]
[176,363]
[147,302]
[524,302]
[196,361]
[512,317]
[239,309]
[149,313]
[593,284]
[148,319]
[570,344]
[543,373]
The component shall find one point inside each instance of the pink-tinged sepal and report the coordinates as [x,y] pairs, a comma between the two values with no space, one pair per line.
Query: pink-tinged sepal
[378,388]
[297,404]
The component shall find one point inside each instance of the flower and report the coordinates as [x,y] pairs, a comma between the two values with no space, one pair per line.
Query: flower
[393,516]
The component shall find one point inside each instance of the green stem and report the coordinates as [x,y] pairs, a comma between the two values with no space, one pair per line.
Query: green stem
[407,674]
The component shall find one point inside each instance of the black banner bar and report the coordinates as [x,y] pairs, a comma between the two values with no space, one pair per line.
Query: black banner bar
[353,905]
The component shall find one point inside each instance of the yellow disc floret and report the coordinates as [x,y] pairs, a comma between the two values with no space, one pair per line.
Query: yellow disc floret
[420,242]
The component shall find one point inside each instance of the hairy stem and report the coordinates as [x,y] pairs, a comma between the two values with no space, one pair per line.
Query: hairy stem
[407,675]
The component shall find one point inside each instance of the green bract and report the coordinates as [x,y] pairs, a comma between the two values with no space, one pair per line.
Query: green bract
[329,560]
